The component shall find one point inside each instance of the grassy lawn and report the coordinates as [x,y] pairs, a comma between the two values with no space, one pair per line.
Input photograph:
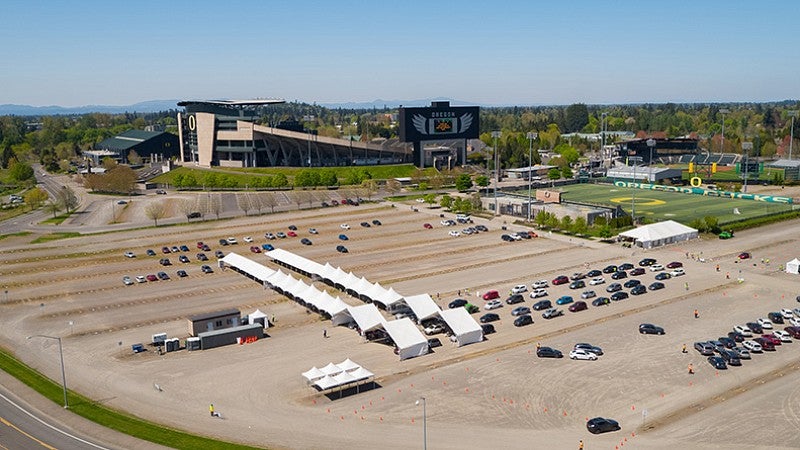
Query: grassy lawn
[657,205]
[108,417]
[19,233]
[55,236]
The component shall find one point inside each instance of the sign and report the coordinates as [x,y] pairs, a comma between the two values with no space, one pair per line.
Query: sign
[707,193]
[439,122]
[547,196]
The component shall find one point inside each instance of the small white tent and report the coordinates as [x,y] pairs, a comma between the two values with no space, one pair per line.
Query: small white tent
[658,234]
[793,266]
[258,316]
[407,337]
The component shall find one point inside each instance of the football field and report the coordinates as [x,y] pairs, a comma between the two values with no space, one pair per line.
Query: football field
[659,205]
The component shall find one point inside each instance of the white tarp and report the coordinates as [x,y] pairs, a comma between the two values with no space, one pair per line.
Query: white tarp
[406,336]
[465,329]
[313,374]
[361,373]
[390,297]
[793,266]
[331,369]
[348,365]
[367,317]
[326,382]
[423,306]
[661,233]
[247,266]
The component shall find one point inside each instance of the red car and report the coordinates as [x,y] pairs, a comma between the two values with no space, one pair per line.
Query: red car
[771,338]
[255,249]
[200,245]
[152,277]
[744,255]
[291,234]
[793,331]
[165,250]
[561,279]
[674,265]
[577,306]
[637,271]
[491,295]
[427,226]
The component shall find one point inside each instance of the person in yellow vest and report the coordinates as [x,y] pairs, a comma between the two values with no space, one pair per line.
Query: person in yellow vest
[580,444]
[211,409]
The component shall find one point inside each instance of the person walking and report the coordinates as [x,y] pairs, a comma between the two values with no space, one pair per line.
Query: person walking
[580,444]
[683,350]
[691,369]
[324,332]
[211,409]
[686,285]
[696,314]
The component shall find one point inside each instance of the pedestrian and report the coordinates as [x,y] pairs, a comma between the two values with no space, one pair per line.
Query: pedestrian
[538,346]
[727,275]
[459,292]
[325,333]
[686,285]
[696,314]
[211,409]
[683,350]
[691,369]
[687,255]
[580,444]
[437,296]
[717,267]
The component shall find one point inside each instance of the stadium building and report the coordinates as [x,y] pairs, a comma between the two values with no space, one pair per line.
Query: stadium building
[149,145]
[225,133]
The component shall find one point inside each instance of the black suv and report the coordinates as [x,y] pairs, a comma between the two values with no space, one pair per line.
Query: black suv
[647,262]
[649,328]
[619,275]
[547,352]
[542,304]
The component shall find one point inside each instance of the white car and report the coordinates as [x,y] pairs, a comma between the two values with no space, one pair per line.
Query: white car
[787,313]
[656,268]
[580,353]
[753,346]
[795,321]
[782,335]
[536,293]
[141,279]
[597,280]
[344,226]
[494,304]
[518,289]
[434,329]
[232,240]
[455,233]
[796,312]
[127,280]
[313,231]
[270,236]
[445,223]
[743,330]
[539,284]
[248,239]
[765,323]
[130,255]
[515,236]
[677,272]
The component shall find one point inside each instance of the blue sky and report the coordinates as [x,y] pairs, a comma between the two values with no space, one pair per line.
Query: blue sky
[513,52]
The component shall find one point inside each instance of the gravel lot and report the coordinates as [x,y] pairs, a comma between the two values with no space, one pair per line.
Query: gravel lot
[487,395]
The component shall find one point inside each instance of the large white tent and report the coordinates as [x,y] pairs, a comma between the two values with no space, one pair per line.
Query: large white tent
[465,329]
[423,306]
[406,336]
[658,234]
[793,266]
[367,317]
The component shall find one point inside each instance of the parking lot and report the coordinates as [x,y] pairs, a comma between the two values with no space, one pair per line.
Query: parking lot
[477,396]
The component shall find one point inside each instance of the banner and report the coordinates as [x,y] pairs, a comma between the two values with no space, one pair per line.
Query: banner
[705,192]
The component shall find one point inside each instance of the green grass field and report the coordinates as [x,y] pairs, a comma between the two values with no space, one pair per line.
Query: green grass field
[657,205]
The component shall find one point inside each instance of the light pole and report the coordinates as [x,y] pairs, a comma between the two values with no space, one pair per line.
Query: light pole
[723,111]
[633,159]
[531,137]
[746,147]
[424,422]
[495,135]
[651,143]
[603,117]
[61,355]
[791,134]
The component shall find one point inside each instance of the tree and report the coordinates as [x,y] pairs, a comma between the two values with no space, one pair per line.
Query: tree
[155,211]
[270,201]
[482,181]
[712,224]
[35,197]
[134,158]
[120,179]
[580,227]
[463,182]
[577,117]
[244,202]
[393,186]
[370,187]
[68,199]
[566,223]
[53,206]
[552,221]
[446,202]
[430,199]
[554,174]
[186,207]
[604,231]
[566,172]
[541,218]
[19,171]
[327,177]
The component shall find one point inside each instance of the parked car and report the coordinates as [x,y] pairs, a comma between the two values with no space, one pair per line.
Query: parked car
[753,346]
[580,284]
[232,240]
[632,283]
[727,342]
[514,299]
[794,331]
[434,328]
[775,317]
[377,222]
[742,352]
[552,313]
[365,224]
[434,342]
[736,336]
[589,347]
[614,287]
[313,231]
[206,269]
[564,300]
[766,344]
[548,352]
[542,304]
[490,317]
[578,306]
[765,323]
[165,250]
[656,285]
[267,247]
[164,262]
[150,252]
[162,276]
[494,304]
[717,362]
[637,271]
[625,266]
[518,289]
[218,254]
[610,269]
[656,268]
[152,277]
[602,425]
[582,354]
[677,272]
[772,339]
[704,348]
[649,328]
[647,262]
[541,284]
[127,281]
[744,330]
[523,320]
[341,249]
[661,276]
[130,255]
[255,249]
[457,303]
[306,241]
[744,255]
[597,280]
[344,226]
[280,235]
[536,293]
[782,335]
[619,275]
[182,273]
[141,279]
[520,311]
[507,238]
[577,276]
[588,294]
[291,234]
[639,290]
[561,279]
[674,265]
[617,296]
[184,259]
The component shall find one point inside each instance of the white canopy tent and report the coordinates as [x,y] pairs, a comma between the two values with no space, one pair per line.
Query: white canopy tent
[658,234]
[465,329]
[423,306]
[258,317]
[367,317]
[793,266]
[247,266]
[313,374]
[409,340]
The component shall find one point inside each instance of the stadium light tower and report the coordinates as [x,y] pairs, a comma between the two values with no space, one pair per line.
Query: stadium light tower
[531,137]
[746,147]
[495,135]
[424,421]
[723,111]
[792,114]
[61,354]
[651,143]
[603,126]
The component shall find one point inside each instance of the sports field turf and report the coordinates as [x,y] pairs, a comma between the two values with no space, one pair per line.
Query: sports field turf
[658,205]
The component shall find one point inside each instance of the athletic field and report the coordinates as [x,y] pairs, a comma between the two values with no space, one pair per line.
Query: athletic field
[659,205]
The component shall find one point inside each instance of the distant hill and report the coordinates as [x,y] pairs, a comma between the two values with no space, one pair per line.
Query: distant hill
[391,104]
[141,107]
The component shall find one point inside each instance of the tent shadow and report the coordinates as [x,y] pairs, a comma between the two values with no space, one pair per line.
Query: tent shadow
[352,390]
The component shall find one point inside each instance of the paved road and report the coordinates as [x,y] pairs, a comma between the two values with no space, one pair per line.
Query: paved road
[23,429]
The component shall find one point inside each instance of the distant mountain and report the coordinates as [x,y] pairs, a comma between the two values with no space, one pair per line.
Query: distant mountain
[141,107]
[380,104]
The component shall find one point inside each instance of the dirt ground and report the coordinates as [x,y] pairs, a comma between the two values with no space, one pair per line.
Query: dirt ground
[492,394]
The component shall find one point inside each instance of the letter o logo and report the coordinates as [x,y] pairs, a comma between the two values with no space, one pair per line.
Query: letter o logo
[192,123]
[547,194]
[695,181]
